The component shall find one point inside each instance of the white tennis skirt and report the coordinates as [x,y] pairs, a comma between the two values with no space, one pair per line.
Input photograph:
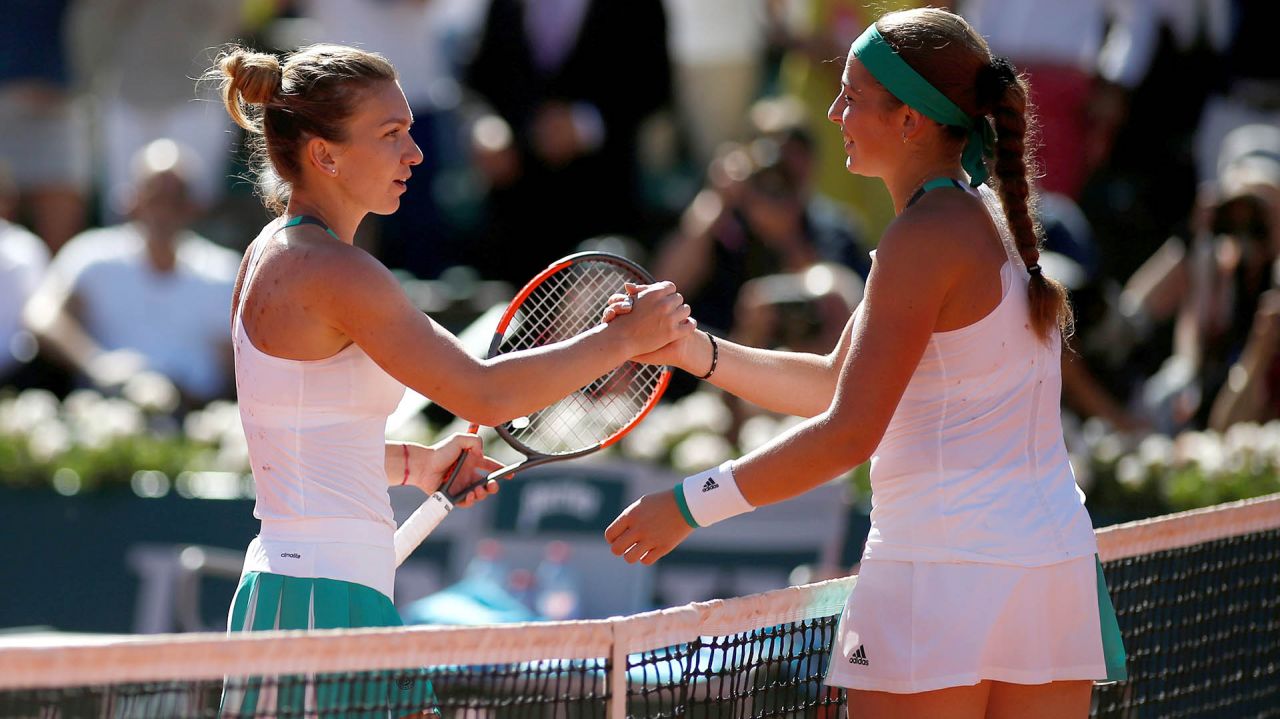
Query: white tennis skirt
[918,626]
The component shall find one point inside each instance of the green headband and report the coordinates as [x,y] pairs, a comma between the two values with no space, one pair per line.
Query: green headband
[888,67]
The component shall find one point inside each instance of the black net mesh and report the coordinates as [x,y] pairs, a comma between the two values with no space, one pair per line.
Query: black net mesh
[559,689]
[1202,628]
[1201,625]
[767,672]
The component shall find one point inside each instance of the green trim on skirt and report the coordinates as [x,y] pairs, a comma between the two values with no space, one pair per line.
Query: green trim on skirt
[266,601]
[1112,642]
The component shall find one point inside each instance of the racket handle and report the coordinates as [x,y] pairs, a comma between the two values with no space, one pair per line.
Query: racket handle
[422,522]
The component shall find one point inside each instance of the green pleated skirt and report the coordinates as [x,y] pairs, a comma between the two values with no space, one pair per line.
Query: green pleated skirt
[266,601]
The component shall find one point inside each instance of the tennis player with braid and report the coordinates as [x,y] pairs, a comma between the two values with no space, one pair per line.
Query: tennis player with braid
[326,341]
[980,593]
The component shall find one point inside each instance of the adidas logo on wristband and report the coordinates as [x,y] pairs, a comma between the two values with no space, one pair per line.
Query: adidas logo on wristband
[709,485]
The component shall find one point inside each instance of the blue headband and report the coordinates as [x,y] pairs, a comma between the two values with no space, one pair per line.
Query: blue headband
[903,82]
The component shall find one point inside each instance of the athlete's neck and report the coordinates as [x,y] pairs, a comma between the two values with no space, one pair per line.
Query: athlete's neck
[343,222]
[911,175]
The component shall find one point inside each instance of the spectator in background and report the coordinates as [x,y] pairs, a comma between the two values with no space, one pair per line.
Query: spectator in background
[557,145]
[1058,45]
[1159,63]
[23,258]
[149,294]
[138,58]
[1212,284]
[1249,86]
[1251,391]
[754,219]
[43,132]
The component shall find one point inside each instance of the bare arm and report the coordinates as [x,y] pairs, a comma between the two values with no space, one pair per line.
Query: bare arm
[52,316]
[914,271]
[911,276]
[795,383]
[359,298]
[1159,285]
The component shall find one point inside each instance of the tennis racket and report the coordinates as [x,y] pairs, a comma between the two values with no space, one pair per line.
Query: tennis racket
[561,302]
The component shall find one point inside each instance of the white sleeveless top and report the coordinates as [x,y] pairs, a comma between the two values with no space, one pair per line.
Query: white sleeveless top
[973,467]
[316,437]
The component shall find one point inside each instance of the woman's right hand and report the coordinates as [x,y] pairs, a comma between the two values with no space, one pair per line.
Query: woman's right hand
[657,316]
[683,353]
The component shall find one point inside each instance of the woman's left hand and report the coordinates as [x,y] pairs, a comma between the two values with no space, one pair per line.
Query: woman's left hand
[439,461]
[648,530]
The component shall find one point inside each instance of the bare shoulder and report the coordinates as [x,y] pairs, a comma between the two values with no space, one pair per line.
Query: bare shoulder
[324,268]
[941,236]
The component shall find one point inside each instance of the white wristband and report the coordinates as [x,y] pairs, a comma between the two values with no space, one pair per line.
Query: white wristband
[713,495]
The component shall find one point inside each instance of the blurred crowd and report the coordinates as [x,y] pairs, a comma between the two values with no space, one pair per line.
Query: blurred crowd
[688,134]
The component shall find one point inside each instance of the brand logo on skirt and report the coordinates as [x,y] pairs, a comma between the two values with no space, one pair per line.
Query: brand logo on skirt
[859,657]
[291,555]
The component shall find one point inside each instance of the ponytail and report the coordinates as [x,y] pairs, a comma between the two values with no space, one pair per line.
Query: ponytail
[1004,94]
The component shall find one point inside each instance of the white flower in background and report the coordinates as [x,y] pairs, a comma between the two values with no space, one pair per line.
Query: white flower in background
[1130,472]
[48,440]
[700,451]
[112,418]
[703,411]
[152,392]
[1093,430]
[1156,450]
[81,403]
[413,429]
[757,431]
[647,442]
[1205,449]
[1108,449]
[201,426]
[1242,437]
[32,408]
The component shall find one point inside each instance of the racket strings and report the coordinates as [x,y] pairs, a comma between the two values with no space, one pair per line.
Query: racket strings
[563,306]
[587,418]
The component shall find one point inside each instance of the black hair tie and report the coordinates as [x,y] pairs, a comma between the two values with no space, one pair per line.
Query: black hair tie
[993,79]
[1034,269]
[1003,70]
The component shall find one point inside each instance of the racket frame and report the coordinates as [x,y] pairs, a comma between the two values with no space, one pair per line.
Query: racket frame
[440,503]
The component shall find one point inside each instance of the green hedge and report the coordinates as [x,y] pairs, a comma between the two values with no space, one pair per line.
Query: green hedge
[89,441]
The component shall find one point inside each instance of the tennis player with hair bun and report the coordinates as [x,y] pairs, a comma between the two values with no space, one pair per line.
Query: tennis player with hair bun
[980,593]
[326,341]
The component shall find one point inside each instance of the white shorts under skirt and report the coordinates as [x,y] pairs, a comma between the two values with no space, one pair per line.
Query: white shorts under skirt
[918,626]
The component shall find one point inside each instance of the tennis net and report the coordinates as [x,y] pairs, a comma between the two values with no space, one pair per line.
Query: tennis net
[1197,595]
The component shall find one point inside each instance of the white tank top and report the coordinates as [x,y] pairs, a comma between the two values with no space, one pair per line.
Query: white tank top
[316,437]
[973,467]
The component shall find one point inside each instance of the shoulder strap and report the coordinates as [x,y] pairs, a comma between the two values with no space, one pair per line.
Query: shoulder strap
[934,184]
[309,220]
[259,247]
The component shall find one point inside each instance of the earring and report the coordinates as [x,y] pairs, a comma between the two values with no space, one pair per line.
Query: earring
[904,138]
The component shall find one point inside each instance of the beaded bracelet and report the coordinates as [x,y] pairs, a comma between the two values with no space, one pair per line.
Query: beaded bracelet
[715,355]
